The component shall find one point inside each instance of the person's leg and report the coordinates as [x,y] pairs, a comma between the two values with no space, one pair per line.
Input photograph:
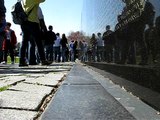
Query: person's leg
[47,52]
[35,32]
[5,53]
[1,43]
[26,33]
[143,48]
[55,53]
[59,54]
[63,54]
[32,52]
[38,40]
[51,53]
[11,51]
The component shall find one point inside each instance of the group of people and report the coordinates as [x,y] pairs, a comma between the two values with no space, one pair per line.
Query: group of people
[8,45]
[8,38]
[31,32]
[136,38]
[136,34]
[38,44]
[101,47]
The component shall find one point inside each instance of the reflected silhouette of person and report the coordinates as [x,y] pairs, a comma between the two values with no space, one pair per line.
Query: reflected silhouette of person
[135,32]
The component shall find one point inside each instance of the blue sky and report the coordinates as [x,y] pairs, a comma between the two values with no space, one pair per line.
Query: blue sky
[63,15]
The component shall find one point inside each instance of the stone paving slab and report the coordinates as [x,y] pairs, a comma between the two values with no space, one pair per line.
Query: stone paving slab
[51,80]
[79,76]
[35,75]
[85,102]
[56,76]
[7,114]
[5,81]
[22,99]
[30,88]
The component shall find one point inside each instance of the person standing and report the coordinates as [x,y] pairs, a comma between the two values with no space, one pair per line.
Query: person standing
[108,43]
[93,43]
[64,47]
[84,51]
[2,25]
[9,44]
[100,47]
[72,50]
[31,28]
[57,46]
[33,56]
[50,38]
[43,27]
[152,42]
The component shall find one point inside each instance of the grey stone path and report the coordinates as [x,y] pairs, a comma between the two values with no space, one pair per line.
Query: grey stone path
[83,95]
[87,95]
[27,87]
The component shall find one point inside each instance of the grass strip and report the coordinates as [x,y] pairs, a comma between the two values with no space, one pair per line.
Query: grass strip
[4,88]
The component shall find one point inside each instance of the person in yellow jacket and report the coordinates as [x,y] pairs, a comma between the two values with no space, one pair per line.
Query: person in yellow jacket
[31,31]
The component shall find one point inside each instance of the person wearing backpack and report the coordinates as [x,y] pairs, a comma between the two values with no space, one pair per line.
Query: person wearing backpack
[31,28]
[2,25]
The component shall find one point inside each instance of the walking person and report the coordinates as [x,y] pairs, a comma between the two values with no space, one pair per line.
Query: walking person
[9,44]
[31,27]
[2,26]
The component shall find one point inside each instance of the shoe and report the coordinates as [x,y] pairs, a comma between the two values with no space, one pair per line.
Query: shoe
[4,62]
[23,64]
[46,62]
[142,63]
[33,63]
[155,61]
[120,62]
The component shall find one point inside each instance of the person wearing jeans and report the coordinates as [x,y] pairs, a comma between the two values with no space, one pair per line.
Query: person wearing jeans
[31,28]
[2,25]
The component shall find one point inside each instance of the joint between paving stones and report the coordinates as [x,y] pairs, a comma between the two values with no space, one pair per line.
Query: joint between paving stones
[13,108]
[47,99]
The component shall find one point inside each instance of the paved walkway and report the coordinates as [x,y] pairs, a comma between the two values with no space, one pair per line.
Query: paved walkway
[83,95]
[87,95]
[27,87]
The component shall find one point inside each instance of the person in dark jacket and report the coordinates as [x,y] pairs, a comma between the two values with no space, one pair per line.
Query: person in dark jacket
[49,41]
[64,43]
[2,25]
[108,43]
